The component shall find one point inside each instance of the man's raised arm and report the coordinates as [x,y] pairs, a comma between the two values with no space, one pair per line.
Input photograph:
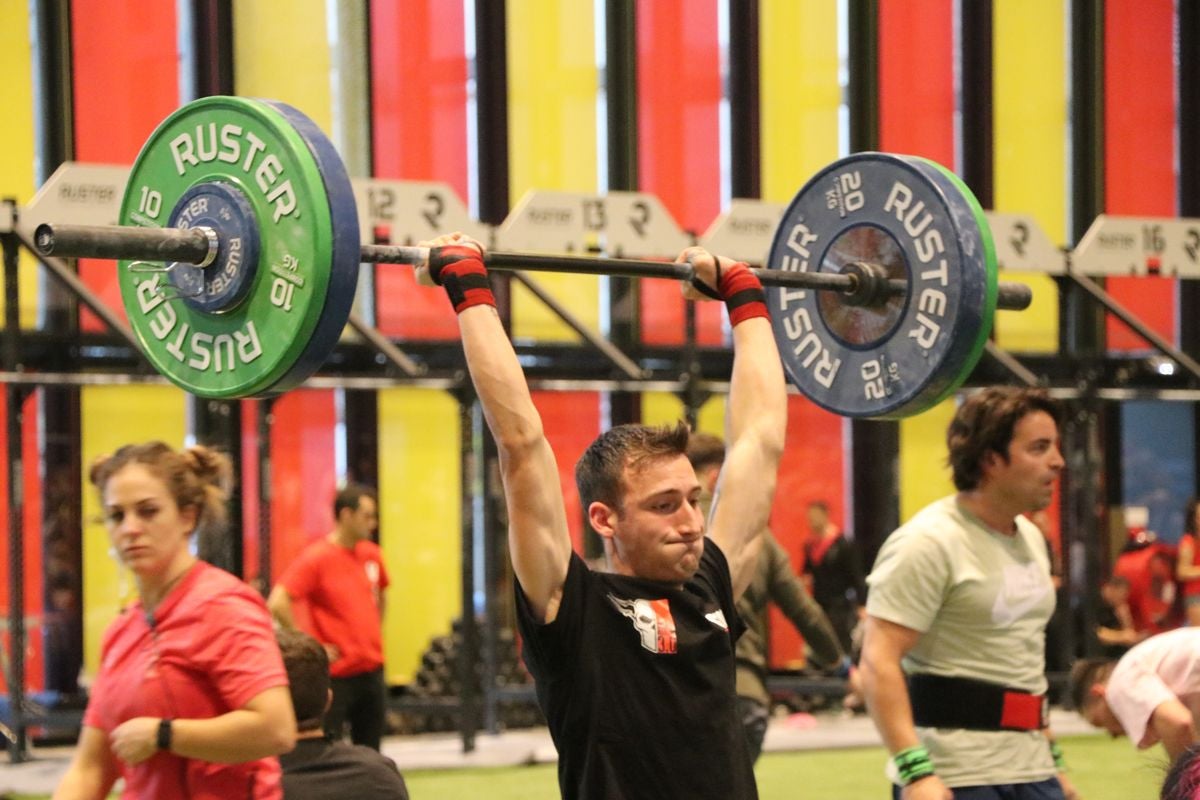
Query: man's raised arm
[538,538]
[755,419]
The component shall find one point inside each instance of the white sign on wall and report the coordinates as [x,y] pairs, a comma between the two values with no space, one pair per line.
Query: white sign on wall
[1165,246]
[1021,244]
[744,231]
[78,194]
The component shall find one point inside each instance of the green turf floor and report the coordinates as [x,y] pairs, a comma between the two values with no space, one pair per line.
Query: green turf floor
[1102,768]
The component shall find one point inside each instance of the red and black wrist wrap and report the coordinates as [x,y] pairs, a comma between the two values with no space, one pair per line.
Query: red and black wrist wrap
[743,294]
[460,271]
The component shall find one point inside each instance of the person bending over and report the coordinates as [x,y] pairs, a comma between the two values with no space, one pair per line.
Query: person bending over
[1152,693]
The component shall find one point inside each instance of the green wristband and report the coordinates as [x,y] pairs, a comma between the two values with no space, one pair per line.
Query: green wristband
[913,763]
[1056,752]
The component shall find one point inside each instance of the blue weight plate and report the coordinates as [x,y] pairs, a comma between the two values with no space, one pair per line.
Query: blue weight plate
[346,250]
[224,283]
[899,358]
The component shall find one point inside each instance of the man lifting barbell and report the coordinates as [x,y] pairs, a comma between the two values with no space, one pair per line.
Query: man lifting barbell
[953,661]
[634,667]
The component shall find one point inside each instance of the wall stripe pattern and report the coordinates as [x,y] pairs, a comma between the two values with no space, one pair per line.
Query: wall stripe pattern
[419,113]
[303,422]
[1139,143]
[16,137]
[1030,149]
[419,121]
[800,101]
[420,522]
[112,417]
[679,144]
[552,116]
[110,43]
[916,116]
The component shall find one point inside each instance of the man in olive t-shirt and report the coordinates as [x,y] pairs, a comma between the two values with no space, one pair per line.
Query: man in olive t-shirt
[953,658]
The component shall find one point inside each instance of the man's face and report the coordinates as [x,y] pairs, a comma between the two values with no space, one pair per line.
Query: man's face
[658,531]
[817,518]
[363,520]
[1097,711]
[1026,480]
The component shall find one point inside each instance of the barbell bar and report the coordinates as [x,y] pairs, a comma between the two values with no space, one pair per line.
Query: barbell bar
[239,252]
[199,247]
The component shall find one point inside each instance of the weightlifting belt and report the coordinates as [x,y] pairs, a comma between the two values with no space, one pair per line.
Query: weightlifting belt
[942,702]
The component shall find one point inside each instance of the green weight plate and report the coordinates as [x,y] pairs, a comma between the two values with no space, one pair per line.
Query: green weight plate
[975,233]
[345,254]
[245,349]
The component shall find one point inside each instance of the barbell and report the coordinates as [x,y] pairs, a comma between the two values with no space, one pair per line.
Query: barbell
[239,252]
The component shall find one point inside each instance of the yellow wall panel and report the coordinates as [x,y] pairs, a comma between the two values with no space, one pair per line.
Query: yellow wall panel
[16,136]
[663,408]
[552,94]
[711,417]
[1030,146]
[281,52]
[420,528]
[113,416]
[924,476]
[800,92]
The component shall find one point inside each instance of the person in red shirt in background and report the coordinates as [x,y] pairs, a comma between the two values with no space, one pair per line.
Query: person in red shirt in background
[341,579]
[1149,566]
[1187,564]
[191,699]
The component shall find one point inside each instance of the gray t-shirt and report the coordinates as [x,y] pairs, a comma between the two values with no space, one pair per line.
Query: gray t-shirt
[981,601]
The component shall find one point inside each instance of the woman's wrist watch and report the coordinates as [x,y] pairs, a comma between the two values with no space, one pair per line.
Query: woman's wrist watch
[164,734]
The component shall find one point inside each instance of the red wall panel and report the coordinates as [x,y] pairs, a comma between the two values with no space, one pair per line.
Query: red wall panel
[419,132]
[916,78]
[126,80]
[679,143]
[1139,158]
[303,473]
[31,541]
[5,477]
[571,422]
[812,469]
[31,494]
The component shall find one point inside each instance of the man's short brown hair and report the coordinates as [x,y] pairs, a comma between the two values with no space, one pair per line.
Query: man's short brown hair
[1085,674]
[599,470]
[307,666]
[984,423]
[705,450]
[349,498]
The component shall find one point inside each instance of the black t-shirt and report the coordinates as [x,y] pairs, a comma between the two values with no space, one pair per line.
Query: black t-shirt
[319,769]
[636,679]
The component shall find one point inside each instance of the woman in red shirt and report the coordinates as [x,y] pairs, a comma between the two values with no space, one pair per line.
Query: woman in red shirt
[191,699]
[1187,563]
